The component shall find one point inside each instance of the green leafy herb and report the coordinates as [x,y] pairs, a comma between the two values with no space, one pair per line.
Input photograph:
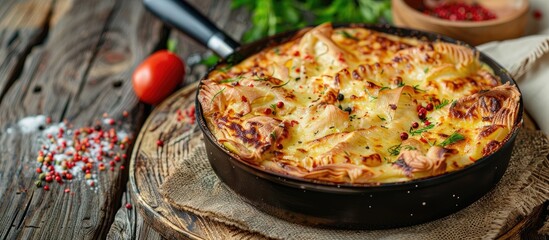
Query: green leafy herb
[273,107]
[261,79]
[383,88]
[381,118]
[426,70]
[421,130]
[273,135]
[455,137]
[372,97]
[352,117]
[416,88]
[401,84]
[278,86]
[394,150]
[453,103]
[408,147]
[210,61]
[171,45]
[442,104]
[269,17]
[230,80]
[215,95]
[348,35]
[225,68]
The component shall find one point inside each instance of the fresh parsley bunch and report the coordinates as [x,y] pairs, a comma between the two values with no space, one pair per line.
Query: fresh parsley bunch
[273,16]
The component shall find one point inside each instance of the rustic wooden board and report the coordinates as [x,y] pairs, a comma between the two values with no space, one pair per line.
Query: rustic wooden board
[129,224]
[151,164]
[85,52]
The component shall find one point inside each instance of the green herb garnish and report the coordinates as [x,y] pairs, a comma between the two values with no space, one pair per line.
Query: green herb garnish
[442,104]
[273,107]
[394,150]
[453,103]
[225,68]
[416,88]
[421,130]
[215,95]
[381,118]
[348,35]
[347,154]
[455,137]
[408,147]
[277,86]
[230,80]
[261,79]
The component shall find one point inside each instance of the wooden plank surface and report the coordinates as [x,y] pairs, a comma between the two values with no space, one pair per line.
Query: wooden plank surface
[77,62]
[234,22]
[23,26]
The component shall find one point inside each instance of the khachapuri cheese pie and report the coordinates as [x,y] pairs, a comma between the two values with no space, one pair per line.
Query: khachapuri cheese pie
[352,105]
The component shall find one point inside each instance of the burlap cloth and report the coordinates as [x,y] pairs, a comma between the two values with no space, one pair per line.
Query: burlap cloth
[194,187]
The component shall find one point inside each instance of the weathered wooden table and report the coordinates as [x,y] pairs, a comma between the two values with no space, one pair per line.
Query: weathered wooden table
[73,60]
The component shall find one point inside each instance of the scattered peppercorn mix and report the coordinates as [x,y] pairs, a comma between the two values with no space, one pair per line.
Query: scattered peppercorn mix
[70,154]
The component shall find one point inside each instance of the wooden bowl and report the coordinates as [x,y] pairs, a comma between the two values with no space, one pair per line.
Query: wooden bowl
[510,22]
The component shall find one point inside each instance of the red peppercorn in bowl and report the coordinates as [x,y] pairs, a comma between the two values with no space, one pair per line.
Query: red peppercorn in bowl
[472,21]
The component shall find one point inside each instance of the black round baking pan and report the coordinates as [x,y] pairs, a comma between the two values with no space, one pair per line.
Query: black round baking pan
[348,206]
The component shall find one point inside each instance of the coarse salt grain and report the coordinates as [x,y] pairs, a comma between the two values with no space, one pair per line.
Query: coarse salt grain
[31,124]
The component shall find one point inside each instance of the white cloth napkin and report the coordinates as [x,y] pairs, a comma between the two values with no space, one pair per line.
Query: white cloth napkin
[527,59]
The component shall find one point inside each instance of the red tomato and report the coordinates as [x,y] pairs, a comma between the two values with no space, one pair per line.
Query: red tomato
[157,76]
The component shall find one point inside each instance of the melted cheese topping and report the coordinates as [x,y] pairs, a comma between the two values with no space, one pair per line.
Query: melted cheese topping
[339,105]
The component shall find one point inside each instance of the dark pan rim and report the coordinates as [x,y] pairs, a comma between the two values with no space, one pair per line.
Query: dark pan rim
[318,185]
